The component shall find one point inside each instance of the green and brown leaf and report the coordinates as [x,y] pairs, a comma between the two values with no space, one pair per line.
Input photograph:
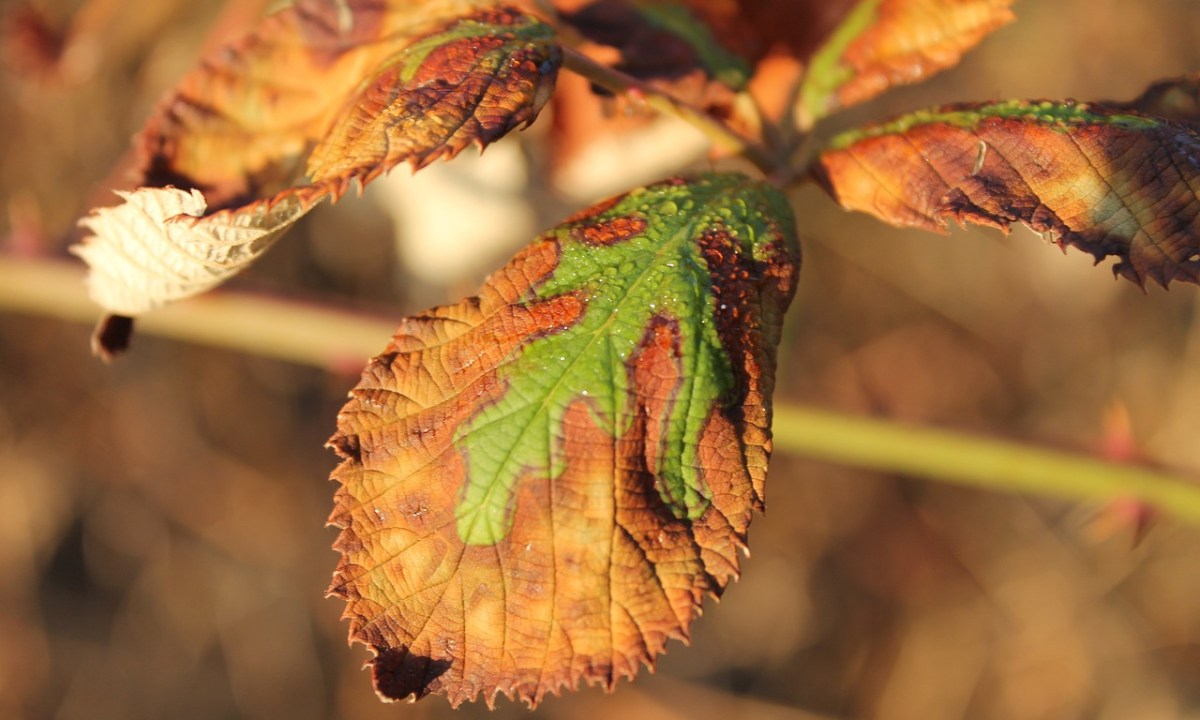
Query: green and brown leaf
[540,484]
[324,93]
[1109,181]
[882,43]
[800,60]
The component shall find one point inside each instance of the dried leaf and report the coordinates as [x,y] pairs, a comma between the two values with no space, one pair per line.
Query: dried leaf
[340,90]
[542,483]
[471,82]
[1108,182]
[159,245]
[882,43]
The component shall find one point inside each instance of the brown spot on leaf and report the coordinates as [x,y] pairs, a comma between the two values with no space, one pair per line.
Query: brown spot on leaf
[655,377]
[400,674]
[747,296]
[610,231]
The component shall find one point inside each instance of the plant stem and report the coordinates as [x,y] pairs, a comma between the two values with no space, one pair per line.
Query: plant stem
[281,329]
[333,339]
[888,446]
[720,134]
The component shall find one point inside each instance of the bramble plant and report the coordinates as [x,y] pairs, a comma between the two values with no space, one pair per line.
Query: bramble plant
[540,484]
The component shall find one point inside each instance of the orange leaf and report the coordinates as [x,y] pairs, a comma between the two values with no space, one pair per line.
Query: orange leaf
[340,90]
[882,43]
[542,483]
[1105,181]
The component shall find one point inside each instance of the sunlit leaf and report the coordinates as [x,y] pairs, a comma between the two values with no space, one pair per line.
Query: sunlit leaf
[882,43]
[158,245]
[542,483]
[1112,183]
[470,82]
[323,93]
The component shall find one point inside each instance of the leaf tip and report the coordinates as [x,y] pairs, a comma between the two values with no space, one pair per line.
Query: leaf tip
[112,337]
[402,675]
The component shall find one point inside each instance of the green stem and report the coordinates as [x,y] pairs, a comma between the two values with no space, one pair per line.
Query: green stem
[720,134]
[889,446]
[328,339]
[281,329]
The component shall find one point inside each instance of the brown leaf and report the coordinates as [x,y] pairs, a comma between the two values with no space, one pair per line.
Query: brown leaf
[1105,181]
[161,245]
[542,483]
[473,87]
[1173,99]
[340,90]
[882,43]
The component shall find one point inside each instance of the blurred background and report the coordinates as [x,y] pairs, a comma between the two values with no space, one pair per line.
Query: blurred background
[162,550]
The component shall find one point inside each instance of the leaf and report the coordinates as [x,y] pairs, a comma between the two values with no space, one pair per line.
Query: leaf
[882,43]
[664,40]
[1107,182]
[474,81]
[159,246]
[541,483]
[338,90]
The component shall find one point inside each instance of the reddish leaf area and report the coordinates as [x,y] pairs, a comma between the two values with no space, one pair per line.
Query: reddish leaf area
[1107,183]
[611,231]
[240,127]
[474,102]
[321,95]
[646,52]
[910,40]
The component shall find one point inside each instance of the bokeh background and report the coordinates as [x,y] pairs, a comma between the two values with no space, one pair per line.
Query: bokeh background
[162,550]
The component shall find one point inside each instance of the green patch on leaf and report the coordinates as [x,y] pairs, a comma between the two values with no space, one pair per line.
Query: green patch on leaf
[640,261]
[525,29]
[1053,115]
[826,71]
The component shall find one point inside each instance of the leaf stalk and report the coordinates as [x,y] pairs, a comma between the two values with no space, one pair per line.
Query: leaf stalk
[719,133]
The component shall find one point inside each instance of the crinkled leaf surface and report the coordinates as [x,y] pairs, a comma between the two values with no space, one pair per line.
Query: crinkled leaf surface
[323,93]
[540,484]
[882,43]
[1112,183]
[158,245]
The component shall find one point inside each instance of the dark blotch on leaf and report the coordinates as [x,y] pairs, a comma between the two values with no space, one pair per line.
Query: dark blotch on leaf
[399,674]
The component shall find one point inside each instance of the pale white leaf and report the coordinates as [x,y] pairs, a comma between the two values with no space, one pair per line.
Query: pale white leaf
[158,246]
